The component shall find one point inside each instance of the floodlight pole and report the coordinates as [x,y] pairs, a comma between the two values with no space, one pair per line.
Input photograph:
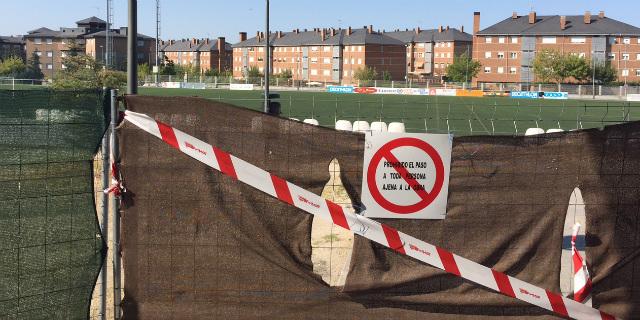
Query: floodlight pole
[267,61]
[132,48]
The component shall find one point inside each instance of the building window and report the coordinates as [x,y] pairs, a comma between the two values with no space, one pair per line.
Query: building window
[548,40]
[50,66]
[326,49]
[314,72]
[513,70]
[500,69]
[353,48]
[359,61]
[487,69]
[582,55]
[626,40]
[326,60]
[501,40]
[487,54]
[49,54]
[625,56]
[49,41]
[37,40]
[488,40]
[140,55]
[500,55]
[314,60]
[140,43]
[326,72]
[261,49]
[514,40]
[612,56]
[38,53]
[448,44]
[638,56]
[637,72]
[625,72]
[314,49]
[513,55]
[359,48]
[448,54]
[353,61]
[250,59]
[578,39]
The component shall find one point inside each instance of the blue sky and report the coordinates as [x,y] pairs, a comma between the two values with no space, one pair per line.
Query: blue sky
[213,18]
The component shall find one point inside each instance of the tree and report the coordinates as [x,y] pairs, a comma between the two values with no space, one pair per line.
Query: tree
[74,48]
[547,66]
[386,75]
[463,68]
[552,66]
[575,67]
[83,72]
[12,67]
[285,74]
[604,73]
[168,68]
[143,70]
[254,72]
[365,74]
[33,68]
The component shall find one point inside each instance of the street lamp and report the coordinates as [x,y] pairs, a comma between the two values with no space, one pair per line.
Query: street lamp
[267,61]
[103,61]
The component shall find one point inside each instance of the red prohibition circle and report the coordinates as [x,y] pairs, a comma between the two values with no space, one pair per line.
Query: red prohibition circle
[385,152]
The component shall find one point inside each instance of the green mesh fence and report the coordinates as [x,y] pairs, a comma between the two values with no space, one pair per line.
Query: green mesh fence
[51,248]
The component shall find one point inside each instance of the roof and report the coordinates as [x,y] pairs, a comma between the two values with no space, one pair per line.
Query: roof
[116,33]
[93,19]
[12,40]
[357,36]
[189,46]
[431,35]
[550,25]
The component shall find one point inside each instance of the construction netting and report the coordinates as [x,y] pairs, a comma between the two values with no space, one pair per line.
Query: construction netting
[51,248]
[201,245]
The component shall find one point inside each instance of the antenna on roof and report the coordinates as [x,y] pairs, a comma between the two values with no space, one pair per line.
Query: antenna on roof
[108,37]
[531,6]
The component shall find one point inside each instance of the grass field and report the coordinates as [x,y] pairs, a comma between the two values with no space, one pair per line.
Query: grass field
[435,114]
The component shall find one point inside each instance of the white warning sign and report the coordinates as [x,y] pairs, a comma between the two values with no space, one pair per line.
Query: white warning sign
[406,176]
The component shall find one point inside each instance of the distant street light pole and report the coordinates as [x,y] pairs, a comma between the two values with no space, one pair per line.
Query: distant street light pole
[593,74]
[267,62]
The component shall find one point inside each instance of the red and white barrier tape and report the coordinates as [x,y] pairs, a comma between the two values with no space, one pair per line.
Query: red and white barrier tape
[581,279]
[370,229]
[116,187]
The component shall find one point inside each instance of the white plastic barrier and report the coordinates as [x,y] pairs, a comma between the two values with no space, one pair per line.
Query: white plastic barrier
[534,131]
[554,130]
[361,126]
[379,126]
[294,119]
[311,121]
[344,125]
[396,127]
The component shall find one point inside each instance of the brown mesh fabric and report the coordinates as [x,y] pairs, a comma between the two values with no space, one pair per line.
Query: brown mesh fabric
[198,244]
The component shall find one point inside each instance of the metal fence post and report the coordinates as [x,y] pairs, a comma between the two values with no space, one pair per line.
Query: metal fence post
[115,231]
[105,222]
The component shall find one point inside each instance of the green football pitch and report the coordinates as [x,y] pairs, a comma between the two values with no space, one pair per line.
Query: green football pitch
[435,114]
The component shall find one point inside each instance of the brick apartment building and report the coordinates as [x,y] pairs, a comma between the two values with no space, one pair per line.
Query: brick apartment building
[12,46]
[507,49]
[89,35]
[205,54]
[429,52]
[323,55]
